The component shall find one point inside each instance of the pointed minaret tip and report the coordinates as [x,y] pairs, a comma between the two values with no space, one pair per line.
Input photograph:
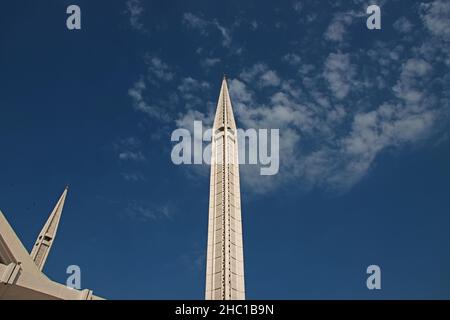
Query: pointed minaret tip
[224,112]
[46,237]
[224,256]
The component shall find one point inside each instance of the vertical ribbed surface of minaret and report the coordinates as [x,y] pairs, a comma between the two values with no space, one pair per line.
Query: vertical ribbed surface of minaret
[46,237]
[225,258]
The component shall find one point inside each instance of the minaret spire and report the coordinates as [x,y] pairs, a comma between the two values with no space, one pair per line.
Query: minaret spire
[225,259]
[47,235]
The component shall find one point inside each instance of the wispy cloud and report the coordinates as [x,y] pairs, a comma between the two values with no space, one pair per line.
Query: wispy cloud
[209,62]
[338,29]
[338,26]
[190,84]
[297,6]
[133,176]
[191,91]
[128,149]
[193,21]
[135,10]
[340,74]
[156,71]
[204,27]
[409,86]
[403,25]
[292,58]
[254,25]
[338,113]
[262,75]
[130,155]
[145,213]
[332,141]
[129,152]
[137,92]
[158,68]
[435,16]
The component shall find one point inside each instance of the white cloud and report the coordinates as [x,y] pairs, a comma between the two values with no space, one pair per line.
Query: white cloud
[250,73]
[262,75]
[292,58]
[282,112]
[297,6]
[338,27]
[333,146]
[130,142]
[226,42]
[190,84]
[330,138]
[270,78]
[403,25]
[193,21]
[135,10]
[340,74]
[145,213]
[187,119]
[239,91]
[209,62]
[436,17]
[373,132]
[158,68]
[157,71]
[409,86]
[130,155]
[191,91]
[129,150]
[133,177]
[204,26]
[136,92]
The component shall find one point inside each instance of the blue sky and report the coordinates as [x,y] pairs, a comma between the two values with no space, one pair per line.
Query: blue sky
[364,143]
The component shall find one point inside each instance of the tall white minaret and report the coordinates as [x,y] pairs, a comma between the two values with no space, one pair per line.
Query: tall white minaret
[46,237]
[225,258]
